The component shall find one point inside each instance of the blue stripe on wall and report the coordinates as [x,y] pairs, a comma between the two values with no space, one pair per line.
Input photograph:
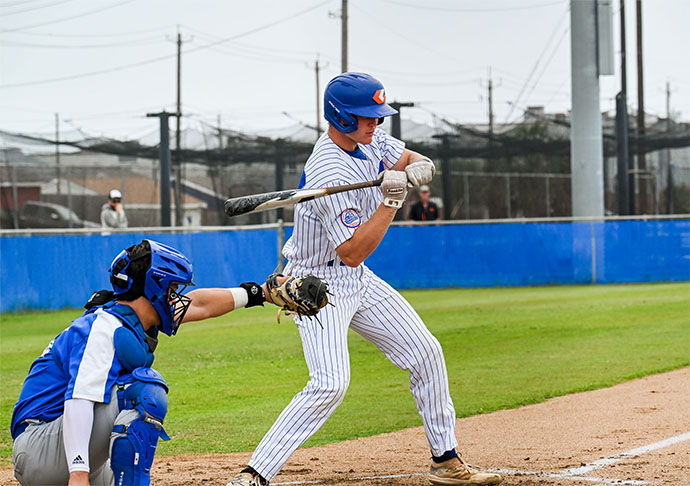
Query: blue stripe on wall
[57,271]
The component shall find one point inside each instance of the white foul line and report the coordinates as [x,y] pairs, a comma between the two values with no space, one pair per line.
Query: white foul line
[572,474]
[567,477]
[607,461]
[595,481]
[363,478]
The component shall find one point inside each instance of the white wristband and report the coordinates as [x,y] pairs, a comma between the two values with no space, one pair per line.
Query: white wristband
[240,297]
[393,203]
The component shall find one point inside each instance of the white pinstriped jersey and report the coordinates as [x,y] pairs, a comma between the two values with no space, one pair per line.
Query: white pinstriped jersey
[323,224]
[362,302]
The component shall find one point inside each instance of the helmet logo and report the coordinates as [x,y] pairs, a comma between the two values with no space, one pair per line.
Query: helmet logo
[380,96]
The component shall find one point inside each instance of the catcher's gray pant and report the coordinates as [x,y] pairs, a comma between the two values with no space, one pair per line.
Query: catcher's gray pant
[372,308]
[39,453]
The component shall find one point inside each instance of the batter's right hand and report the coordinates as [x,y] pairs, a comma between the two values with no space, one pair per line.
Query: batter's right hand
[394,188]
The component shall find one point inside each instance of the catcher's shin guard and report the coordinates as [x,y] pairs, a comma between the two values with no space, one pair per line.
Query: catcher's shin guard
[143,400]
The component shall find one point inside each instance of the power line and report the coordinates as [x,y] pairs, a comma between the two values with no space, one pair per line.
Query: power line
[425,6]
[536,64]
[12,4]
[134,42]
[83,14]
[257,58]
[260,28]
[89,74]
[167,56]
[546,64]
[33,9]
[272,49]
[368,16]
[79,36]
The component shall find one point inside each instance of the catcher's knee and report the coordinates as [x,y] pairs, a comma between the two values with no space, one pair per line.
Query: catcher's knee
[143,400]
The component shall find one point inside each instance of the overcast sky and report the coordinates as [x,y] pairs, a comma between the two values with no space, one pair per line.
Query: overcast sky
[252,62]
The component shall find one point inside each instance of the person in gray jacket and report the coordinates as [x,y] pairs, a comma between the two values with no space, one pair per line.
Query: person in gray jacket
[112,213]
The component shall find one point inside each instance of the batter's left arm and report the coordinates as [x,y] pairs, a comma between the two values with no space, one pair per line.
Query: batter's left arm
[419,168]
[407,158]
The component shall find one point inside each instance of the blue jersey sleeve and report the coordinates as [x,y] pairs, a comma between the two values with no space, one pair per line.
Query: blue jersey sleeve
[91,365]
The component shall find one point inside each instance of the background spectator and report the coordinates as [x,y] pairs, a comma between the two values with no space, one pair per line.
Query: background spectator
[424,209]
[112,213]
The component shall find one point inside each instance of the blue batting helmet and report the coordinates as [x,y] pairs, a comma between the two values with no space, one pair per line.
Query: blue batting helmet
[351,94]
[163,266]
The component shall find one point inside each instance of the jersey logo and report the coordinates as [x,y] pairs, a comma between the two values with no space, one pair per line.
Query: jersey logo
[48,348]
[78,460]
[350,218]
[380,96]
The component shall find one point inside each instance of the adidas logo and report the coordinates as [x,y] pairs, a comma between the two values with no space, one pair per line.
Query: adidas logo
[78,460]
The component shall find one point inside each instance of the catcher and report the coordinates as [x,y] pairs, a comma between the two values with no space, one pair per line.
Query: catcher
[92,394]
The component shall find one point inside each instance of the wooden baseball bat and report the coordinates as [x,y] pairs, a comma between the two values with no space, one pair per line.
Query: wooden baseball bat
[237,206]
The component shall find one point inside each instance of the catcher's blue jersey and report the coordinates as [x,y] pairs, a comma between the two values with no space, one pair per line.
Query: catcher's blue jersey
[79,363]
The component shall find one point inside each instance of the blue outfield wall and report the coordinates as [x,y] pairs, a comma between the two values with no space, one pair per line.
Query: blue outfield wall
[57,271]
[514,254]
[51,272]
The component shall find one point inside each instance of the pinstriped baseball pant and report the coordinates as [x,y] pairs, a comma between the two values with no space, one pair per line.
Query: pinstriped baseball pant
[373,309]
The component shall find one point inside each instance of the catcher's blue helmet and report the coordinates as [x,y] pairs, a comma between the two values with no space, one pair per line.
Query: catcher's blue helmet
[351,94]
[167,267]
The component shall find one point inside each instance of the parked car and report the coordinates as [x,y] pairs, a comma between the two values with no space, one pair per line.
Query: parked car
[37,214]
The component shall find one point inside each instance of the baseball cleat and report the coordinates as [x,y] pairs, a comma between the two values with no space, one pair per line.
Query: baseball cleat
[456,472]
[248,479]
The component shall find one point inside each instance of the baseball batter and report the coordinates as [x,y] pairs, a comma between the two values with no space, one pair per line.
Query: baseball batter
[331,239]
[92,394]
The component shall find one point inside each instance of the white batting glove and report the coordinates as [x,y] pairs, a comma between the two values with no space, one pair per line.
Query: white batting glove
[394,188]
[420,172]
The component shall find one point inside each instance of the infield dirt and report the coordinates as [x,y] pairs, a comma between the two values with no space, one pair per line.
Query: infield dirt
[550,437]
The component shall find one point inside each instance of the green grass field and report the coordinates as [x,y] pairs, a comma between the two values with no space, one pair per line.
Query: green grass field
[230,377]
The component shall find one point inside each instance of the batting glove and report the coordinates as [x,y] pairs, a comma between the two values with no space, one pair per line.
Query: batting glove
[420,172]
[394,188]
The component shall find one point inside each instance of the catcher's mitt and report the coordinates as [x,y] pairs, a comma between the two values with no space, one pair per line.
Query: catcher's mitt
[304,295]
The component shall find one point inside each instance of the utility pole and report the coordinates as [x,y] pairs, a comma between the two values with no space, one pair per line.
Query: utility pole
[490,88]
[586,144]
[491,107]
[446,176]
[220,134]
[279,171]
[343,31]
[164,164]
[624,65]
[669,165]
[318,99]
[668,106]
[57,151]
[626,185]
[396,127]
[178,152]
[641,159]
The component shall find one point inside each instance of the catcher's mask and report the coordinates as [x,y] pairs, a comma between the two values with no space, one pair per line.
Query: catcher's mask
[160,273]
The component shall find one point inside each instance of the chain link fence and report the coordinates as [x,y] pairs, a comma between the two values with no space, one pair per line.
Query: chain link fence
[68,195]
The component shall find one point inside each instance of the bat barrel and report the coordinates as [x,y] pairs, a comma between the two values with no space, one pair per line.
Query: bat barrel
[261,202]
[241,205]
